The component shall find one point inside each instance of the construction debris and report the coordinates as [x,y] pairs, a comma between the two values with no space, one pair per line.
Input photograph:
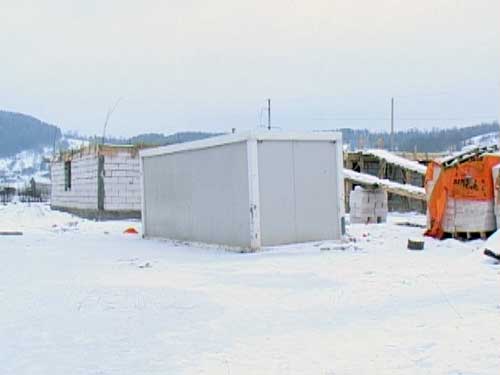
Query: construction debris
[415,244]
[10,233]
[412,225]
[491,254]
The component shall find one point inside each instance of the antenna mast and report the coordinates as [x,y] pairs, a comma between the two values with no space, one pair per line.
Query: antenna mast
[268,114]
[392,124]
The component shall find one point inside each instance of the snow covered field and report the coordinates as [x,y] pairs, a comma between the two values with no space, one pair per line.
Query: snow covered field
[80,297]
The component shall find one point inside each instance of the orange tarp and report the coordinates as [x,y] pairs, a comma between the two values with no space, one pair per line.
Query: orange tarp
[471,180]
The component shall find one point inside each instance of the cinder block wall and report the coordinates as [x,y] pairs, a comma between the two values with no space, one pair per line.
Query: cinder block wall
[83,192]
[122,189]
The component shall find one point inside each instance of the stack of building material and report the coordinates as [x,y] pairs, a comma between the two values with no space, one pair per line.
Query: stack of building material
[462,215]
[368,205]
[496,191]
[460,195]
[469,216]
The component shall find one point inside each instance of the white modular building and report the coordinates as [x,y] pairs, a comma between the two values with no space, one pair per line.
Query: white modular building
[245,190]
[97,181]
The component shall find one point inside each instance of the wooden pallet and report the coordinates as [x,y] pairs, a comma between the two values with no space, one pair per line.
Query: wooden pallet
[467,236]
[10,233]
[468,155]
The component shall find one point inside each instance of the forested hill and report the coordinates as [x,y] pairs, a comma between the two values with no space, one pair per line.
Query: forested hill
[435,140]
[20,132]
[161,139]
[150,139]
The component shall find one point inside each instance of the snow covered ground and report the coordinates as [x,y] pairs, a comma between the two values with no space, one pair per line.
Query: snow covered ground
[18,169]
[80,297]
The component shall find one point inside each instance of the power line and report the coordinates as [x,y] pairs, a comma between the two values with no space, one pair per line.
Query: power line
[404,118]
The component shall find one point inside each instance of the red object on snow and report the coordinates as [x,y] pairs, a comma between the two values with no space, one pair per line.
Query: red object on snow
[130,230]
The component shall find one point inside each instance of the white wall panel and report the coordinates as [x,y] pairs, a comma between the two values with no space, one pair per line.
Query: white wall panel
[198,195]
[316,191]
[298,191]
[277,196]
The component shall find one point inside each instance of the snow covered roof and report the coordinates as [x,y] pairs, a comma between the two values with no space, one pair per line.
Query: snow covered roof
[467,154]
[391,186]
[391,158]
[258,135]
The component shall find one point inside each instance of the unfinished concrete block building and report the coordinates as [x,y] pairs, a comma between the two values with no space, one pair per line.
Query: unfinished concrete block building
[97,181]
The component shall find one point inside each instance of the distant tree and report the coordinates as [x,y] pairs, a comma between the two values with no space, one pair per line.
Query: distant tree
[6,194]
[30,192]
[434,140]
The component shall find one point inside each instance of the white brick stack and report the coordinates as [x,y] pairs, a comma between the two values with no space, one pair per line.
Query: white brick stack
[122,189]
[468,216]
[496,187]
[368,205]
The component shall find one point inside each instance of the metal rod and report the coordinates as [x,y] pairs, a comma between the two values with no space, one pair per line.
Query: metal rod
[268,114]
[392,124]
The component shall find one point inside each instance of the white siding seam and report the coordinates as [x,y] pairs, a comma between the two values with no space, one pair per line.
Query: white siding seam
[294,189]
[143,206]
[254,194]
[340,183]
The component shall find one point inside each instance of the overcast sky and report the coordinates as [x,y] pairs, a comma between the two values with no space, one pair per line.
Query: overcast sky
[210,65]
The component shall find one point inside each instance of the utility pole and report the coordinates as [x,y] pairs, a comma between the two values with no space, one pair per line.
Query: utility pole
[268,114]
[54,145]
[392,124]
